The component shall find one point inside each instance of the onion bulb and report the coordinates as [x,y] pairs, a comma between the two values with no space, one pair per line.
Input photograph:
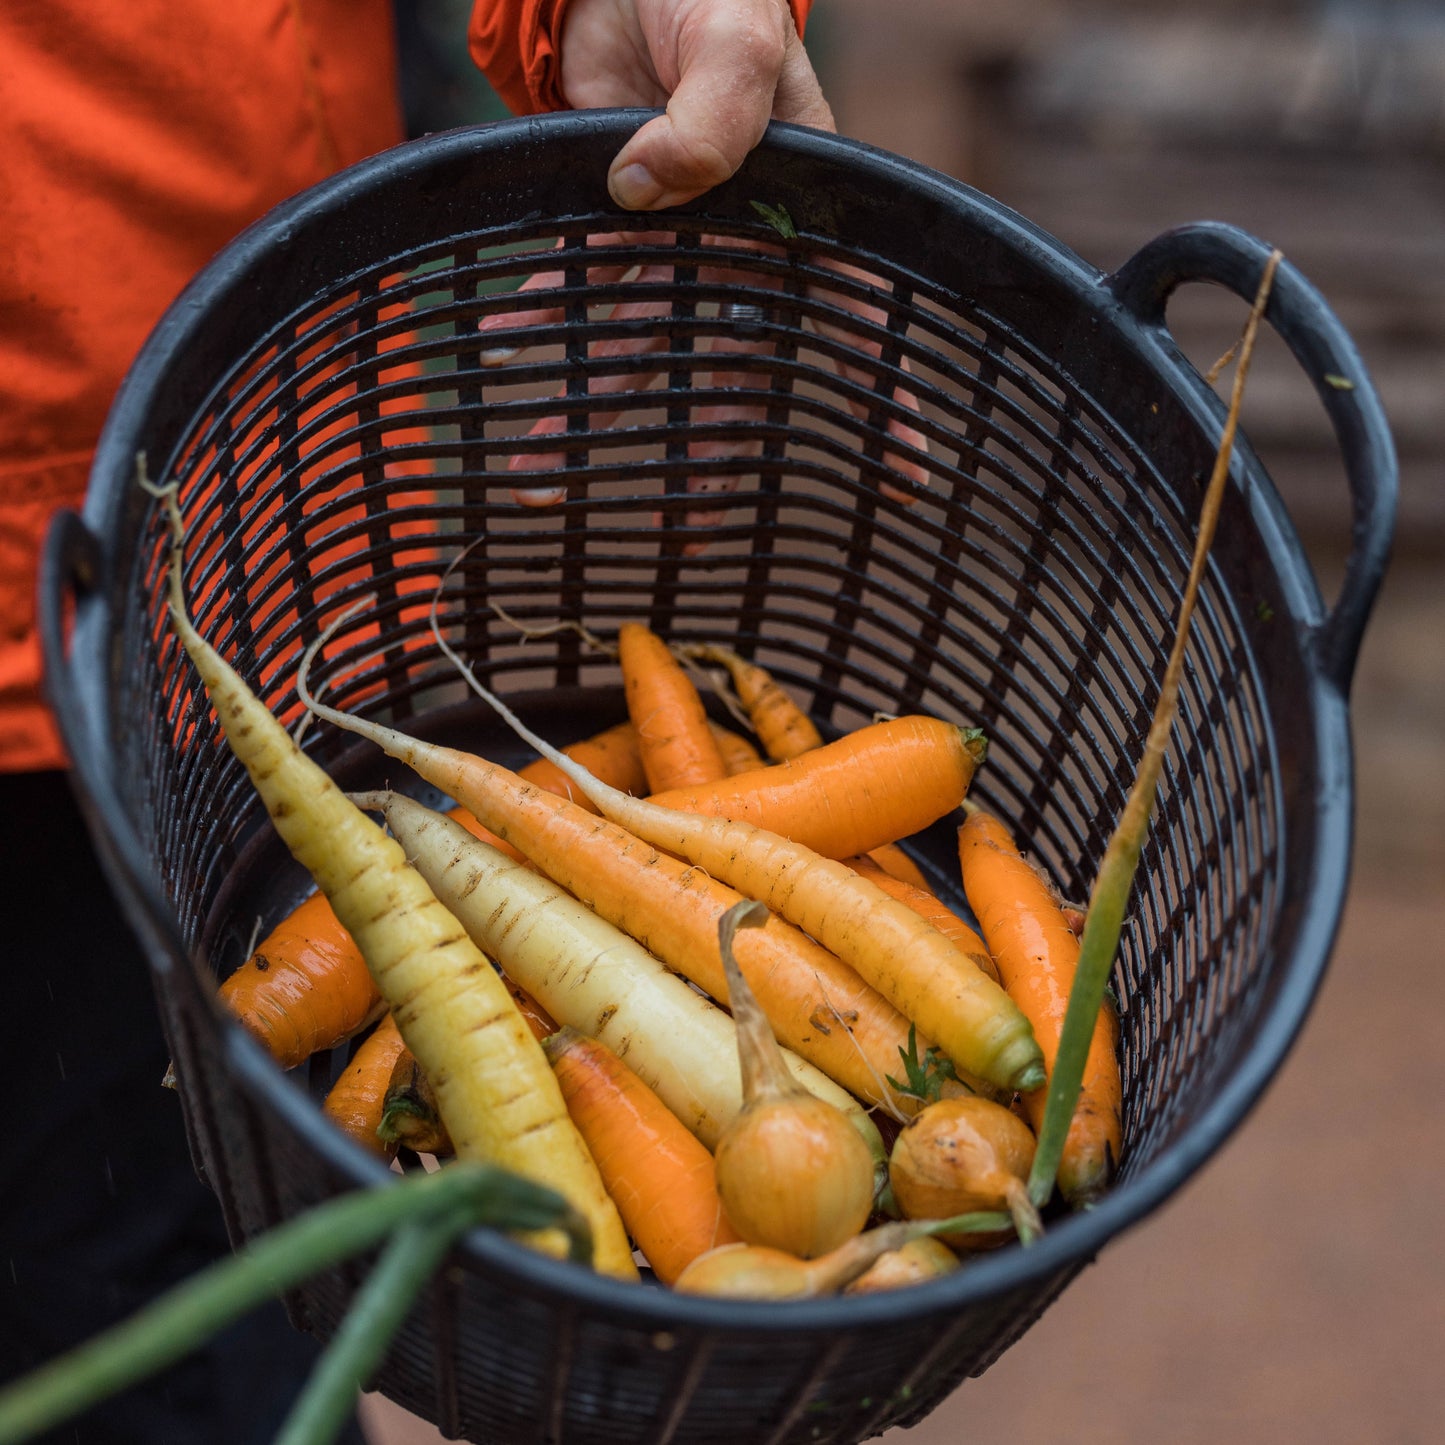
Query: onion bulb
[748,1271]
[916,1262]
[965,1154]
[793,1172]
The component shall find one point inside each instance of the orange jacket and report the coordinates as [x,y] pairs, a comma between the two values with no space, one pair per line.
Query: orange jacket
[140,137]
[517,44]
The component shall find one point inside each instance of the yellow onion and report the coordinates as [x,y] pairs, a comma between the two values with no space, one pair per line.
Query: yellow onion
[962,1155]
[750,1271]
[920,1260]
[793,1172]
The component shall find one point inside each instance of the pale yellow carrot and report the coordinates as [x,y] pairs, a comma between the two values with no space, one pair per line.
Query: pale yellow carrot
[497,1093]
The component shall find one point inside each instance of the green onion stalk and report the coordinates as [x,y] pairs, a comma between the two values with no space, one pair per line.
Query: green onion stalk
[422,1213]
[1109,898]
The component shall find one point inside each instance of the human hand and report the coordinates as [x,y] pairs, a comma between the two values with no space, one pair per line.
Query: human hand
[722,69]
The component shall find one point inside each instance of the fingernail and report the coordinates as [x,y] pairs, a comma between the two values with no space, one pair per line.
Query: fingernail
[499,355]
[539,496]
[634,187]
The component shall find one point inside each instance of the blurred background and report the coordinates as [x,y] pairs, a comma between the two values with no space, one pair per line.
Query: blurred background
[1294,1290]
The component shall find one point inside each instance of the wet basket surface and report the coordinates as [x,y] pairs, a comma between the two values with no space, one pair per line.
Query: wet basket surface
[965,469]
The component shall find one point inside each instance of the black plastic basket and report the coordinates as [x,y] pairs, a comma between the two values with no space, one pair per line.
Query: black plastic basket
[322,395]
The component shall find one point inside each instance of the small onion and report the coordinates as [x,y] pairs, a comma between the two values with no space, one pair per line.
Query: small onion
[961,1155]
[793,1172]
[749,1271]
[917,1262]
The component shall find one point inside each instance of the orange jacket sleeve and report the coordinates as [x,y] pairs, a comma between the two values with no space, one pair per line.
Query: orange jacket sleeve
[517,46]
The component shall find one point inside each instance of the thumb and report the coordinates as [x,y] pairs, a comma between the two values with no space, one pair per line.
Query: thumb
[740,69]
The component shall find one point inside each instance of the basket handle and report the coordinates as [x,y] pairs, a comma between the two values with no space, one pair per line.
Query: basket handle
[1227,256]
[72,565]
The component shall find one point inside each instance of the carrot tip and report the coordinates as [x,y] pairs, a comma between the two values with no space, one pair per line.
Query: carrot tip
[1084,1188]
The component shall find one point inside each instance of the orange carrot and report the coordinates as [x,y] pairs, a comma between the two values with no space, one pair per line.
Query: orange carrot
[923,974]
[612,754]
[818,1006]
[614,751]
[1036,952]
[738,754]
[588,973]
[305,988]
[927,904]
[542,1024]
[674,735]
[661,1178]
[355,1101]
[1075,915]
[410,1113]
[883,782]
[783,727]
[895,862]
[786,731]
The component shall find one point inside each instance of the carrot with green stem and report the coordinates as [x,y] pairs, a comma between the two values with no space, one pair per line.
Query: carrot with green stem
[410,1114]
[933,910]
[499,1097]
[1109,896]
[590,975]
[663,1179]
[928,979]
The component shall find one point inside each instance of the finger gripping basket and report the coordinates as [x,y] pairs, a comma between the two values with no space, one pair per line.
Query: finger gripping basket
[945,467]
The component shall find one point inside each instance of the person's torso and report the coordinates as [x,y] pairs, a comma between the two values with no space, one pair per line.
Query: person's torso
[140,137]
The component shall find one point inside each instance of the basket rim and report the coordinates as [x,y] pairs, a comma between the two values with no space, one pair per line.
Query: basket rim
[1070,1242]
